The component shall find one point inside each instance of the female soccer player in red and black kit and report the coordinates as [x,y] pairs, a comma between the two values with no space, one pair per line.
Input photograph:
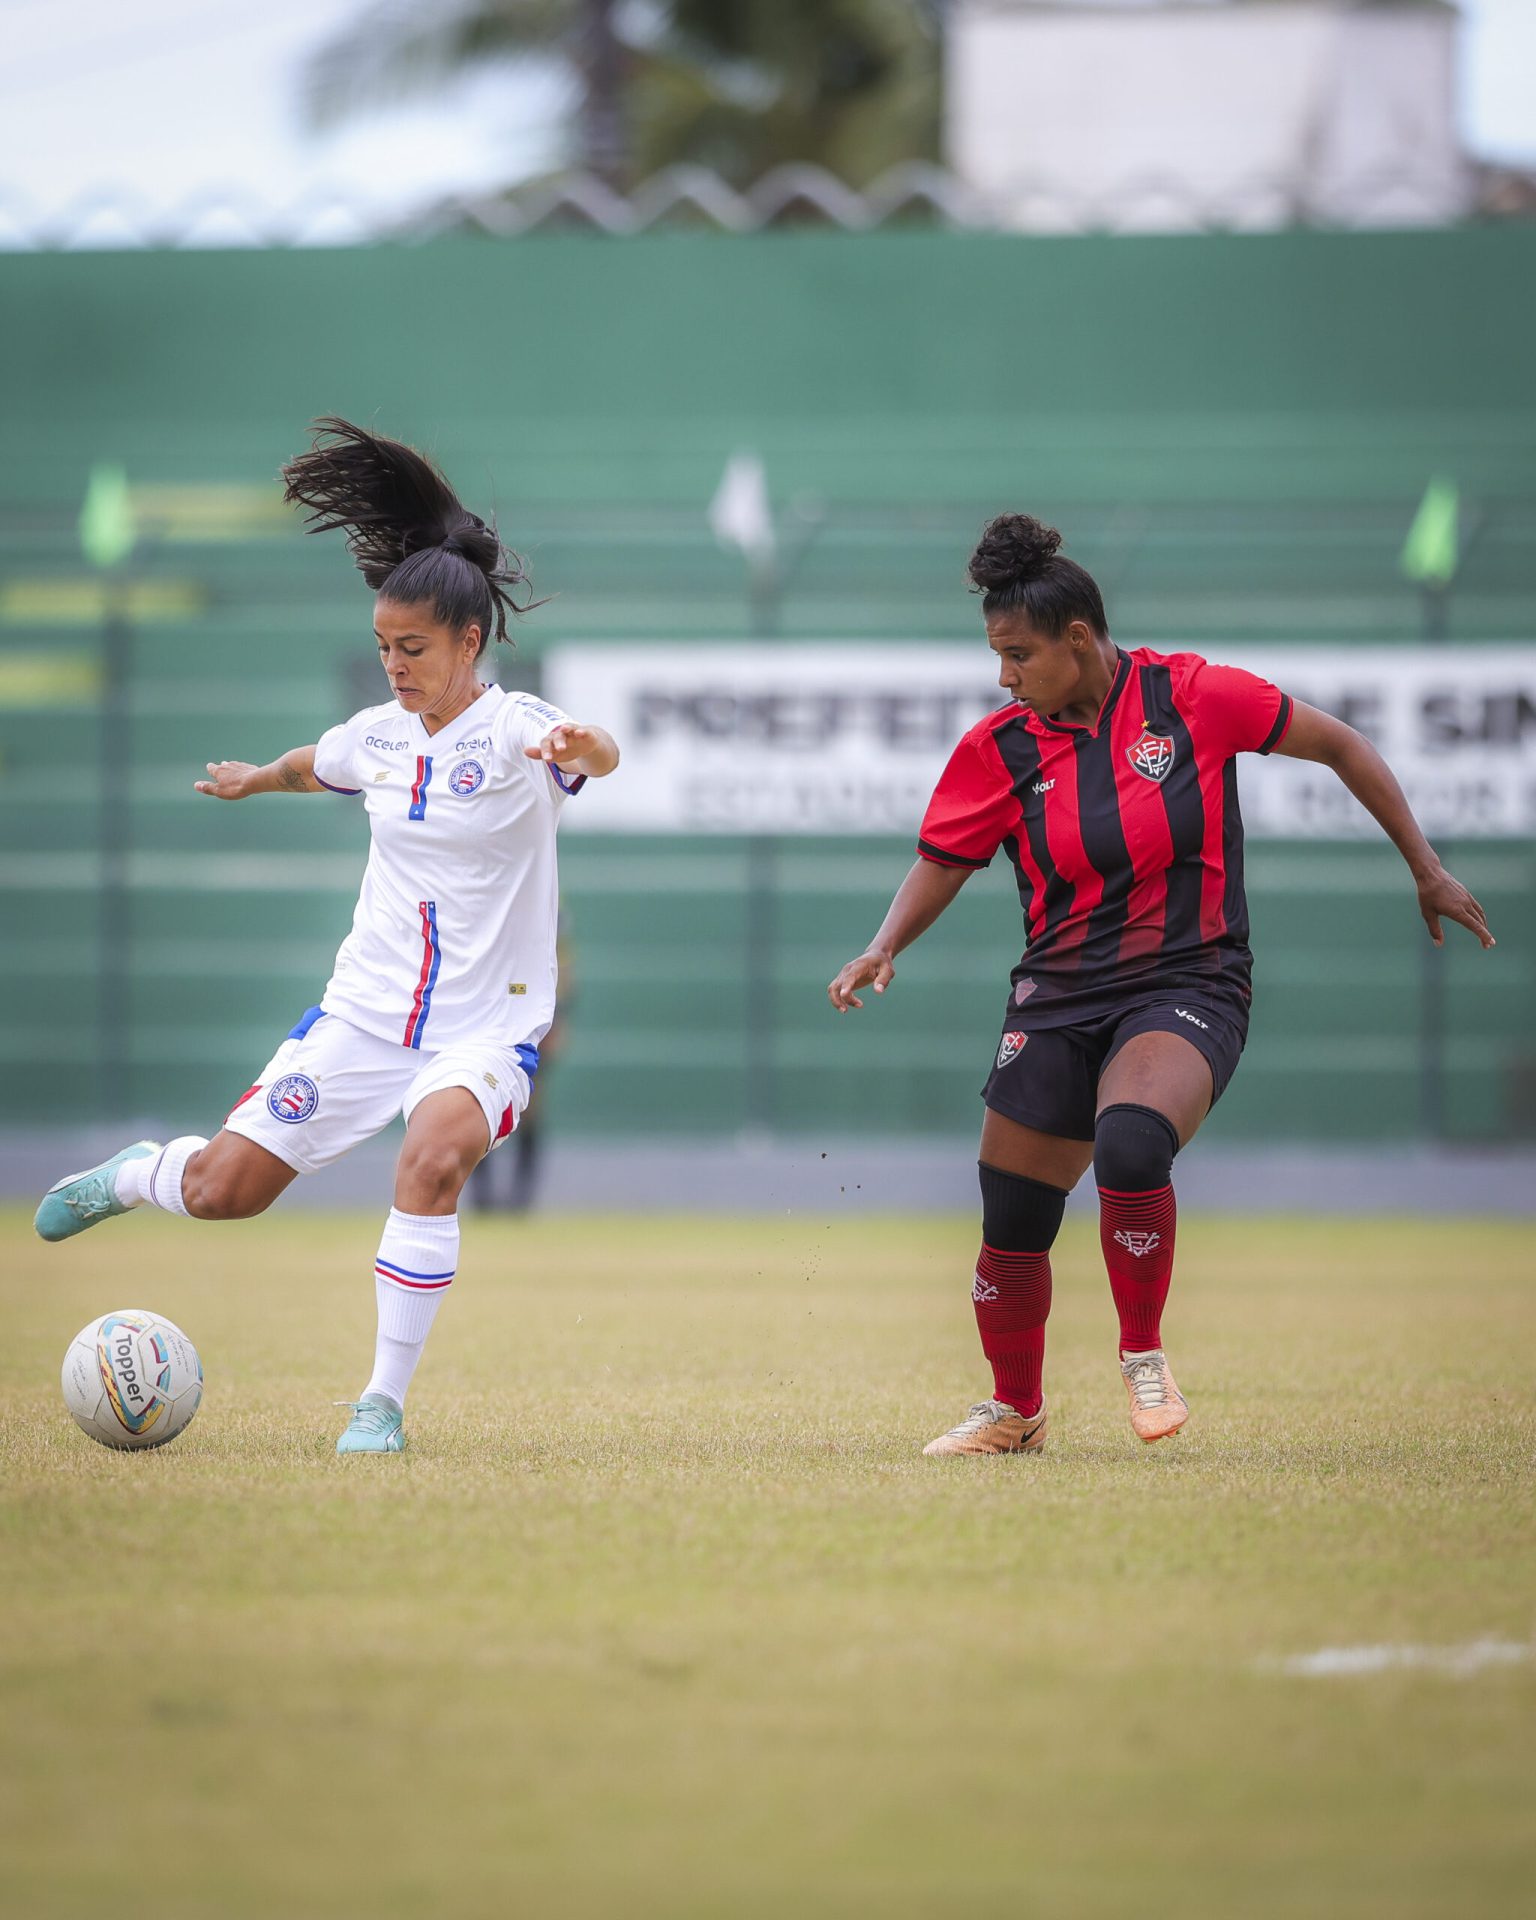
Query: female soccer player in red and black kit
[1110,783]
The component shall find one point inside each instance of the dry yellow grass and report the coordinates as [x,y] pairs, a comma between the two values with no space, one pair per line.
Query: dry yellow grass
[663,1613]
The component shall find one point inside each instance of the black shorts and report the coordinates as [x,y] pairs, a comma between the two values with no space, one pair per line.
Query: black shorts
[1048,1077]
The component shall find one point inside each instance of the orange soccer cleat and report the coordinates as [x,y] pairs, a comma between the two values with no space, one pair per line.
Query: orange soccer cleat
[993,1427]
[1157,1406]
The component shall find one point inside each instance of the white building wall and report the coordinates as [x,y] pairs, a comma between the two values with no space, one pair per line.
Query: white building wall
[1185,115]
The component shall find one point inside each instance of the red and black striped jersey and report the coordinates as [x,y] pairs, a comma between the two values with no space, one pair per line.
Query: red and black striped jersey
[1125,837]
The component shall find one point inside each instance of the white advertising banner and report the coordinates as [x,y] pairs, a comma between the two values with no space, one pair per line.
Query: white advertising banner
[848,737]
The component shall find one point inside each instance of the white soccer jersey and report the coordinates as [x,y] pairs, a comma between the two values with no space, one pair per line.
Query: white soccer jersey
[454,935]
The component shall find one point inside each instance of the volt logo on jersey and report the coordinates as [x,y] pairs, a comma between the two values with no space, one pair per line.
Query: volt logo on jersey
[467,777]
[1151,754]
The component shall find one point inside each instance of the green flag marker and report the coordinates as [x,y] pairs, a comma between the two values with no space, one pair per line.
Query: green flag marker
[1432,549]
[107,530]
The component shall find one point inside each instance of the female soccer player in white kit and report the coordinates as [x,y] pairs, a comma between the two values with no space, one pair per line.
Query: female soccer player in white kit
[445,986]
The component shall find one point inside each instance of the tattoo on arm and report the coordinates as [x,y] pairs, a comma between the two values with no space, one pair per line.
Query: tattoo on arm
[291,780]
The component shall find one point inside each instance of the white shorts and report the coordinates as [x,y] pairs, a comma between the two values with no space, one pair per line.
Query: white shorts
[330,1085]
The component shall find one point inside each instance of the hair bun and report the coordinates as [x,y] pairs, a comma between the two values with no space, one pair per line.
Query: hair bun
[474,542]
[1014,549]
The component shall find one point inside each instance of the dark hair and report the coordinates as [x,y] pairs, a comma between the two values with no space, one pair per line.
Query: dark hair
[412,538]
[1016,568]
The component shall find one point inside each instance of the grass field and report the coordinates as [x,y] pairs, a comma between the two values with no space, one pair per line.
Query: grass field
[664,1615]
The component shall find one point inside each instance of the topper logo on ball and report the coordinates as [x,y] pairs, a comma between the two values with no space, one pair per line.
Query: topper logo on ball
[132,1379]
[123,1367]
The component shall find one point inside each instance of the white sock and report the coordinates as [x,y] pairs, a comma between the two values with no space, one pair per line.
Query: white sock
[418,1257]
[154,1179]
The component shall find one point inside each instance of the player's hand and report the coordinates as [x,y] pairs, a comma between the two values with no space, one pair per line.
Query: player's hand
[228,780]
[870,969]
[1440,894]
[564,744]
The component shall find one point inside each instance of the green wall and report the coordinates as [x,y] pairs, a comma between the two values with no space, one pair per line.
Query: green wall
[1233,431]
[582,369]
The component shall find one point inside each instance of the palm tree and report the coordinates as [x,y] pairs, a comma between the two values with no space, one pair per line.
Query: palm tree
[735,85]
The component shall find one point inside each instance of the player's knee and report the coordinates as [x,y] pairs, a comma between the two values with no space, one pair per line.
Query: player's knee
[1018,1215]
[220,1192]
[1133,1149]
[432,1174]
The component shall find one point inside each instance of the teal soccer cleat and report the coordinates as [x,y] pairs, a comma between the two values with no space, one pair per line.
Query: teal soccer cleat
[73,1204]
[377,1426]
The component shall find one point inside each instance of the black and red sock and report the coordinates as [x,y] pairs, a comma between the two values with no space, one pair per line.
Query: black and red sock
[1012,1289]
[1132,1160]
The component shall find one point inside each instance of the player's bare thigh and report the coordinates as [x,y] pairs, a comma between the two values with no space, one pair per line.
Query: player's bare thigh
[1163,1071]
[232,1178]
[1047,1157]
[446,1138]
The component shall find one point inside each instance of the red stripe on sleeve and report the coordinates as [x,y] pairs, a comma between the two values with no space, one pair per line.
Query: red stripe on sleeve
[1282,724]
[972,809]
[1234,708]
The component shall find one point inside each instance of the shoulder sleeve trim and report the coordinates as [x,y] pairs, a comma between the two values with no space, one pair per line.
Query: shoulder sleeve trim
[1278,731]
[943,858]
[330,789]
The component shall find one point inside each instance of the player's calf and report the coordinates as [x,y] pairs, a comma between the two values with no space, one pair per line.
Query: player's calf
[229,1178]
[1011,1290]
[1133,1163]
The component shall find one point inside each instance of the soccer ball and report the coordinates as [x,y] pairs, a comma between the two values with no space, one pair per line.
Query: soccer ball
[132,1379]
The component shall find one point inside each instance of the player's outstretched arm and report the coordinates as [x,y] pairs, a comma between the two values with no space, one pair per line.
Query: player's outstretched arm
[920,899]
[238,779]
[1314,735]
[577,749]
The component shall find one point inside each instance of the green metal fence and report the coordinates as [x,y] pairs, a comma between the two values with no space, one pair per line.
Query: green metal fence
[1233,432]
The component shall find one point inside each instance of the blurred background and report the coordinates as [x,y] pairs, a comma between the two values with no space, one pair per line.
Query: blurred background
[742,318]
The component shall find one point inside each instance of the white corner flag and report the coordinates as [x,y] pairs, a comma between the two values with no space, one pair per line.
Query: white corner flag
[739,514]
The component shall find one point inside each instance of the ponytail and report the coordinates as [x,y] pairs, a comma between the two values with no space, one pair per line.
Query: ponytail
[412,538]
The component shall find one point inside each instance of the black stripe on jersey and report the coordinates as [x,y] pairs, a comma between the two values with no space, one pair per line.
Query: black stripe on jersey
[1026,886]
[1234,902]
[948,859]
[1103,837]
[1282,720]
[1184,808]
[1020,752]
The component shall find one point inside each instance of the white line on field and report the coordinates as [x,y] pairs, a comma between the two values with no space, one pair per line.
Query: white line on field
[1330,1663]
